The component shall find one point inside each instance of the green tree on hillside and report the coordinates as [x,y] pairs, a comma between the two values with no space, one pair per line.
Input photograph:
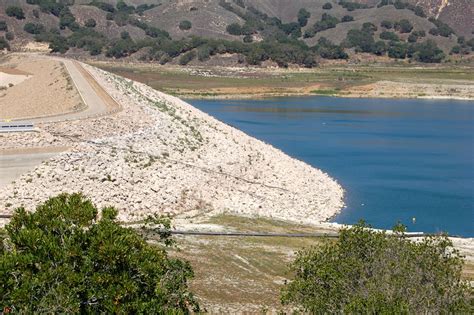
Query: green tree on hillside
[429,52]
[15,12]
[370,272]
[65,258]
[303,16]
[185,25]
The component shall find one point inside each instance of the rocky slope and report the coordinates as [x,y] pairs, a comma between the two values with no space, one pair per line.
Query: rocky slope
[159,155]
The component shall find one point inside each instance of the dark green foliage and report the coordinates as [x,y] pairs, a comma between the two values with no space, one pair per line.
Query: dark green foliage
[363,41]
[3,45]
[384,3]
[347,18]
[59,44]
[403,26]
[389,36]
[326,49]
[428,52]
[185,25]
[67,19]
[351,6]
[327,6]
[386,24]
[419,33]
[441,29]
[327,21]
[15,12]
[370,272]
[369,27]
[248,39]
[455,50]
[63,258]
[400,5]
[240,3]
[34,28]
[89,40]
[140,9]
[293,29]
[419,11]
[103,6]
[379,48]
[36,13]
[3,26]
[187,57]
[412,38]
[234,29]
[122,47]
[90,23]
[470,43]
[303,16]
[398,50]
[9,36]
[204,52]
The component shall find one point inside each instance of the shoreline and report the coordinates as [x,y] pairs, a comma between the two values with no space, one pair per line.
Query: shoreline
[287,95]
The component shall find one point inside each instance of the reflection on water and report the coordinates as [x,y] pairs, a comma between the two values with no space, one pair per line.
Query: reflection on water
[397,159]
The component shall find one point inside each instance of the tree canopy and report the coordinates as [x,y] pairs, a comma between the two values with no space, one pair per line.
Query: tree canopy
[64,258]
[371,272]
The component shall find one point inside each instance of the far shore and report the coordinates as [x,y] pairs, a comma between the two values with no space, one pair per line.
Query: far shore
[354,81]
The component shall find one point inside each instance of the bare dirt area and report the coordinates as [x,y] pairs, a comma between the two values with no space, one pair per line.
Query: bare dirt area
[388,89]
[46,88]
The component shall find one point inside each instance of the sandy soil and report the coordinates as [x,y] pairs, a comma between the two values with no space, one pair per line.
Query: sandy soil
[49,89]
[389,89]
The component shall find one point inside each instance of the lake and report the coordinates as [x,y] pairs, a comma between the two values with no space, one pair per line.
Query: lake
[396,159]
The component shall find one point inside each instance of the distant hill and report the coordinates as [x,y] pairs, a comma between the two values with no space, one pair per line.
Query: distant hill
[284,32]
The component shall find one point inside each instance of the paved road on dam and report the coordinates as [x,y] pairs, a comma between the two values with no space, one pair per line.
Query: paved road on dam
[98,102]
[14,163]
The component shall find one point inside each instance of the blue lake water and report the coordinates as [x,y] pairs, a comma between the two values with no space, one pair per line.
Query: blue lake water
[396,159]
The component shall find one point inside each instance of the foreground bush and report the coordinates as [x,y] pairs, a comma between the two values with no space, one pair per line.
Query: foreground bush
[64,259]
[368,272]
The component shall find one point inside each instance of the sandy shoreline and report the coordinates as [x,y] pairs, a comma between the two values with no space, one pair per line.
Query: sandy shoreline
[161,155]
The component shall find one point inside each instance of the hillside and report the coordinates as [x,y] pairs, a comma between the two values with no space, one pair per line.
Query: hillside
[273,32]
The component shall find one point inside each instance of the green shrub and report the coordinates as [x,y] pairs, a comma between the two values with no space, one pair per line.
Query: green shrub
[403,26]
[3,26]
[347,18]
[370,272]
[234,29]
[389,36]
[327,6]
[351,6]
[59,44]
[361,40]
[248,38]
[185,25]
[386,24]
[65,258]
[187,57]
[34,28]
[303,16]
[4,45]
[90,23]
[15,12]
[9,36]
[428,52]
